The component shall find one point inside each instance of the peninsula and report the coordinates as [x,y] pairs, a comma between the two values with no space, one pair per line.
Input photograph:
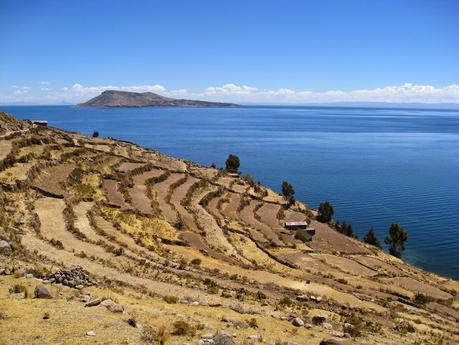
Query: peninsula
[106,242]
[115,98]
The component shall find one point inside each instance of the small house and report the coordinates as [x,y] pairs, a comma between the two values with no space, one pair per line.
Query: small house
[233,174]
[43,123]
[300,226]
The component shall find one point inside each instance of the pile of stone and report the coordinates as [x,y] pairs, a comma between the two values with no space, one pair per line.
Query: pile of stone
[74,277]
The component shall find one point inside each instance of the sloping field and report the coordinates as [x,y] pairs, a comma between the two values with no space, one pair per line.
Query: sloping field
[5,148]
[128,166]
[268,215]
[411,284]
[52,179]
[178,194]
[345,265]
[18,172]
[230,208]
[138,192]
[162,192]
[115,197]
[248,216]
[328,240]
[50,212]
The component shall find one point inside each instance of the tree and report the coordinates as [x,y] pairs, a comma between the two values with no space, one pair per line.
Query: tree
[325,212]
[95,134]
[371,238]
[396,240]
[232,163]
[288,192]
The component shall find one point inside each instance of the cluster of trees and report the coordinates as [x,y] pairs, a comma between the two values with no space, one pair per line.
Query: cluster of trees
[288,192]
[395,240]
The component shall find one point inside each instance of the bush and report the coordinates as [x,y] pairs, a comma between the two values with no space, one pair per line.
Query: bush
[95,134]
[396,240]
[183,328]
[303,235]
[371,238]
[420,299]
[232,163]
[288,192]
[252,323]
[196,262]
[18,288]
[260,296]
[171,299]
[285,301]
[325,212]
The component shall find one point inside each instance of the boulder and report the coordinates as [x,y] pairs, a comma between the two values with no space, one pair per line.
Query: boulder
[223,339]
[319,319]
[338,334]
[5,248]
[228,319]
[42,291]
[115,308]
[331,341]
[93,302]
[327,325]
[90,334]
[297,322]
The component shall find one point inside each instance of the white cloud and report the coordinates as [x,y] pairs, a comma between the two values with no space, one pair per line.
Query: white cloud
[406,93]
[21,90]
[78,88]
[45,83]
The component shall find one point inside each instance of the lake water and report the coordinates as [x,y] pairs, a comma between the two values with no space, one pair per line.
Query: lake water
[376,166]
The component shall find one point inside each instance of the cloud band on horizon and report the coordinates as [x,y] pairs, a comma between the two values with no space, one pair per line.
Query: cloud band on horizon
[406,93]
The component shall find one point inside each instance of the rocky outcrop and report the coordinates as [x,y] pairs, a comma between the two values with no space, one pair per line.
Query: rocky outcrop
[75,277]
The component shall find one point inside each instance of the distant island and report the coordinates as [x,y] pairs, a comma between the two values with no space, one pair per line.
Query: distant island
[114,98]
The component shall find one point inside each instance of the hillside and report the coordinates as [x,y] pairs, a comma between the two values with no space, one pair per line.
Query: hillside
[172,252]
[113,98]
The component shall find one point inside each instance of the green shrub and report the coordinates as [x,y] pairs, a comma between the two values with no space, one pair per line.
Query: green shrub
[171,299]
[183,328]
[18,288]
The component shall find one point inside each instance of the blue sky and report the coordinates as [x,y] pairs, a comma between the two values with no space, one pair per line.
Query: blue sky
[250,51]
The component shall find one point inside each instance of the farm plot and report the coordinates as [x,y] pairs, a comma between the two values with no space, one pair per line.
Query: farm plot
[416,286]
[115,197]
[346,265]
[162,192]
[128,166]
[230,208]
[50,212]
[328,240]
[18,172]
[138,192]
[5,148]
[52,179]
[178,194]
[268,215]
[248,216]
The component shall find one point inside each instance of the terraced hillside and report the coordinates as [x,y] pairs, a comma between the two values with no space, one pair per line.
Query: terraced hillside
[179,253]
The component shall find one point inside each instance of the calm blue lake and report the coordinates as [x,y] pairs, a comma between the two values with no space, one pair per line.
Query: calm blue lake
[376,166]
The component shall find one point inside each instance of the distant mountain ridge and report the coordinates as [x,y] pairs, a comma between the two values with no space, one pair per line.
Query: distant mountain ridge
[115,98]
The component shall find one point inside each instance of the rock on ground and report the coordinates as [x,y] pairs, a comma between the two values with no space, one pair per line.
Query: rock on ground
[331,341]
[5,248]
[42,291]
